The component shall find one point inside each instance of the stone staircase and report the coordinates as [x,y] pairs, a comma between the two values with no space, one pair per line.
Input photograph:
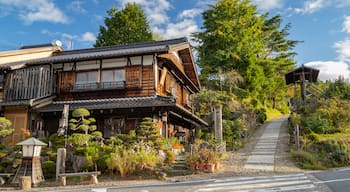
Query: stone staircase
[180,167]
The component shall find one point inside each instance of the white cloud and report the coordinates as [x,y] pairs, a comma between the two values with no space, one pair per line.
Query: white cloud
[331,70]
[69,39]
[346,24]
[312,6]
[190,13]
[155,10]
[343,49]
[88,37]
[37,10]
[77,6]
[180,29]
[268,4]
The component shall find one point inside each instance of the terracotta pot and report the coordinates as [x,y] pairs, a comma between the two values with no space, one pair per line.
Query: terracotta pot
[217,165]
[202,166]
[211,167]
[193,166]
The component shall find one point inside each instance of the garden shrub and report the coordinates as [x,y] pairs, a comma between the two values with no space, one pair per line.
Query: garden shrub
[101,163]
[316,124]
[260,115]
[169,157]
[56,141]
[304,159]
[313,137]
[49,169]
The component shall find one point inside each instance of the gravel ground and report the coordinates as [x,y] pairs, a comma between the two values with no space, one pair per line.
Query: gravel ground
[232,166]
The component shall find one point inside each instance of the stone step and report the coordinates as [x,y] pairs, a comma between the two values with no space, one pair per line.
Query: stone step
[180,167]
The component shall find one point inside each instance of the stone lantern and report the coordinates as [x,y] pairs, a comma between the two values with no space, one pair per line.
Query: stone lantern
[30,165]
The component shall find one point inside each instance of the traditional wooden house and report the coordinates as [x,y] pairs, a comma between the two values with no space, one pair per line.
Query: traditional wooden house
[120,85]
[11,63]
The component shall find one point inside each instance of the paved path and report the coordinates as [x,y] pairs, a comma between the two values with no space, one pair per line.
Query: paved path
[290,182]
[263,155]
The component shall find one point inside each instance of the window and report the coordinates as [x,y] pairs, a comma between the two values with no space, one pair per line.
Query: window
[113,126]
[113,78]
[1,81]
[86,80]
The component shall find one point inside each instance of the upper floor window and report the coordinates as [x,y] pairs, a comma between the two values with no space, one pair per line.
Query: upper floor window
[113,78]
[86,80]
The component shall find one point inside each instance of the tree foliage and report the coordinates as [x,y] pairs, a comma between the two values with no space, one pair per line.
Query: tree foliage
[81,121]
[236,37]
[129,25]
[5,127]
[339,88]
[147,132]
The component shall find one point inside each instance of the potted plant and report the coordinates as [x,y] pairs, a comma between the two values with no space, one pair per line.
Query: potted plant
[192,161]
[212,159]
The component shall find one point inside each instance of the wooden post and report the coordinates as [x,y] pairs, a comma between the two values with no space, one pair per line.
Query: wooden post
[297,141]
[218,124]
[94,179]
[25,182]
[61,161]
[63,181]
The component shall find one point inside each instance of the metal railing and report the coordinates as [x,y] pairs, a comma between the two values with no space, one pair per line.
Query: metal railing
[99,85]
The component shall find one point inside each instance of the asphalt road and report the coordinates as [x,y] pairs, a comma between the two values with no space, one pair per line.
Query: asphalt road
[338,180]
[270,183]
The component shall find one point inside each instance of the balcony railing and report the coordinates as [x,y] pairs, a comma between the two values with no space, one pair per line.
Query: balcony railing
[98,86]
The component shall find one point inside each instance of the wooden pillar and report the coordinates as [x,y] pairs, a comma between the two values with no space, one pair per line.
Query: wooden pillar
[61,161]
[218,123]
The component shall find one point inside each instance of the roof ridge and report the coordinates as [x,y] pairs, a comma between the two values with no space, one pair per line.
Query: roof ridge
[133,45]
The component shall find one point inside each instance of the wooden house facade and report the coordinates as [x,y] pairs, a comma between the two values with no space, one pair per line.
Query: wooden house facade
[119,85]
[15,93]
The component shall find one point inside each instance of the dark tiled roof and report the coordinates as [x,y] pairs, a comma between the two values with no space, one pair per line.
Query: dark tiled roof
[111,103]
[124,103]
[110,51]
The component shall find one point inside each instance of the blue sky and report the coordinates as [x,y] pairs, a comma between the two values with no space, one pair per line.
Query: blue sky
[322,25]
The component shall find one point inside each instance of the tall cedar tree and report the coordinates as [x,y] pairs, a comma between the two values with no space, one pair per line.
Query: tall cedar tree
[126,26]
[237,37]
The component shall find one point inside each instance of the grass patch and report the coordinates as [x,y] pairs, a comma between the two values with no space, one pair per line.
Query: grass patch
[272,114]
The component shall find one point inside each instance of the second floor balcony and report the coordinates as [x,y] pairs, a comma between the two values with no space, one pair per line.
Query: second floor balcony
[91,86]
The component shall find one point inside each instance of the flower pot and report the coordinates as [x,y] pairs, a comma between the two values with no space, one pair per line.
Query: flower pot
[211,167]
[217,165]
[202,166]
[193,166]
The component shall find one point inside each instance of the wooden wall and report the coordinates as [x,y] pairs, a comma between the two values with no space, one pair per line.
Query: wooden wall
[139,83]
[28,83]
[19,118]
[168,85]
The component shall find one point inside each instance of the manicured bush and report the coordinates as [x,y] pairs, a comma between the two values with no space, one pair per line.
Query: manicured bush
[49,169]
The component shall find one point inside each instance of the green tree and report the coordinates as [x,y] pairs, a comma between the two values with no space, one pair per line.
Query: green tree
[339,88]
[148,133]
[237,37]
[232,37]
[126,26]
[5,127]
[82,121]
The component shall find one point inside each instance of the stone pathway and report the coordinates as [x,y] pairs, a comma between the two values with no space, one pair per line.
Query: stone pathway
[263,155]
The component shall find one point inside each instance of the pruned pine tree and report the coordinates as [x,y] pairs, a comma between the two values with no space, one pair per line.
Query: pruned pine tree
[82,121]
[147,132]
[5,127]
